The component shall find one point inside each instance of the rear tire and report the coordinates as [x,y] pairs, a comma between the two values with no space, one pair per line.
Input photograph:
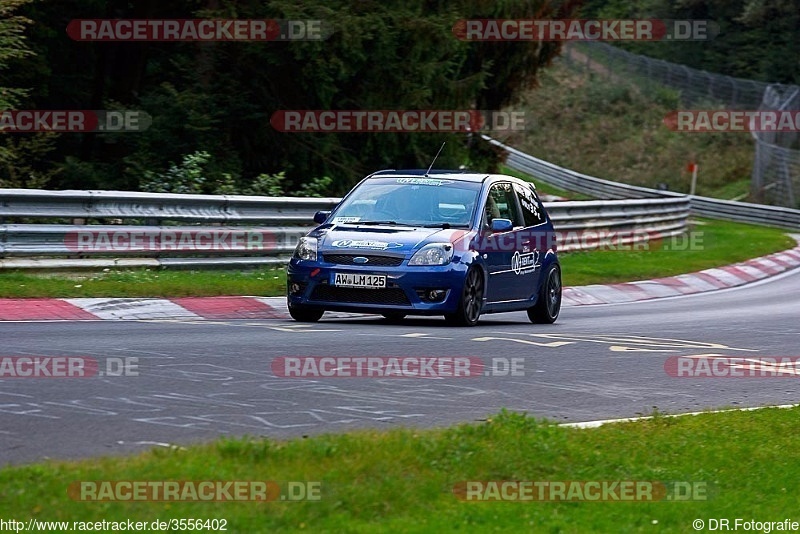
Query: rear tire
[305,315]
[469,307]
[548,303]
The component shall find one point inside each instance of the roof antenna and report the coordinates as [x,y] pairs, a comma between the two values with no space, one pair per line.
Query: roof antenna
[434,158]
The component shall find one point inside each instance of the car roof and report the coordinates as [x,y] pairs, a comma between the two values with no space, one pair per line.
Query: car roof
[464,175]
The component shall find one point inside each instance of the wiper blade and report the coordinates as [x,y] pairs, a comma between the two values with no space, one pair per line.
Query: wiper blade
[446,225]
[377,222]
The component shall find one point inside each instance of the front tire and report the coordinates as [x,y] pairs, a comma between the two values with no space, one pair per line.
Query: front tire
[548,303]
[305,315]
[471,303]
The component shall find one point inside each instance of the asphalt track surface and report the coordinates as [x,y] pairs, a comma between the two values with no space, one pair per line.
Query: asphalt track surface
[198,380]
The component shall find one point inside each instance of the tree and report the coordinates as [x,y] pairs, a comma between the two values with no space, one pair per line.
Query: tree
[758,39]
[218,97]
[18,153]
[12,46]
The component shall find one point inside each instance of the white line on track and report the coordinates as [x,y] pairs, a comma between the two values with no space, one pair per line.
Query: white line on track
[601,422]
[792,271]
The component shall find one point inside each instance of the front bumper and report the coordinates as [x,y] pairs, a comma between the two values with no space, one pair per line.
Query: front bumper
[310,284]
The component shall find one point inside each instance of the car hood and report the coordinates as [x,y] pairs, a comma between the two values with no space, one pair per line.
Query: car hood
[376,239]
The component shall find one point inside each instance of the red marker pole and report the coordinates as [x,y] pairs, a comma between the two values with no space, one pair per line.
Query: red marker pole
[693,168]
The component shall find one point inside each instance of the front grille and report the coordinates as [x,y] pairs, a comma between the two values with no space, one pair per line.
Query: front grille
[374,260]
[392,296]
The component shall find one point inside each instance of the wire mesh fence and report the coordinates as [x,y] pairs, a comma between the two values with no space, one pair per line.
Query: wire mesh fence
[776,168]
[776,163]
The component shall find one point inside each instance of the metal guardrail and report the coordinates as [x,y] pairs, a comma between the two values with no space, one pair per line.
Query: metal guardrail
[158,207]
[614,224]
[252,230]
[238,230]
[572,181]
[249,230]
[26,240]
[745,212]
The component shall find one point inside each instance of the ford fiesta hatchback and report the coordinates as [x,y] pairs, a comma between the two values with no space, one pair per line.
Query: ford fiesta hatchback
[429,243]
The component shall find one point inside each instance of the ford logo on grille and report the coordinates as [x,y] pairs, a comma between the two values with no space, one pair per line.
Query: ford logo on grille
[360,259]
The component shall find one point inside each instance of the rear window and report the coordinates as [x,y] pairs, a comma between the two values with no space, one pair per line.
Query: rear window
[532,211]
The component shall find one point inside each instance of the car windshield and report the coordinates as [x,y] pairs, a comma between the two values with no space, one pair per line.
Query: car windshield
[411,201]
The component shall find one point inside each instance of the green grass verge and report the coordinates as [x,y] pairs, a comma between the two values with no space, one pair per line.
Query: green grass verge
[402,480]
[721,243]
[718,243]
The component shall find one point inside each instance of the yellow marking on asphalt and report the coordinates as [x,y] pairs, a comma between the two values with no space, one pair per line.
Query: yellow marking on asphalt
[293,328]
[619,343]
[705,356]
[183,321]
[553,344]
[411,335]
[295,331]
[619,348]
[704,344]
[641,340]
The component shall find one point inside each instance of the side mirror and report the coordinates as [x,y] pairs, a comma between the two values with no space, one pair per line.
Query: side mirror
[321,216]
[502,225]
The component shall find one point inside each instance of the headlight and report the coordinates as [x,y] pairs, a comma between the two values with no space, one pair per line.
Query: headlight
[433,254]
[306,249]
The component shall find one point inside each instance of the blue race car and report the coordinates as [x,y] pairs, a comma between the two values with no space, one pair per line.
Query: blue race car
[429,243]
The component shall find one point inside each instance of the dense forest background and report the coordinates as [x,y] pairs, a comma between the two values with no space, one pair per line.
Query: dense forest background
[211,102]
[759,39]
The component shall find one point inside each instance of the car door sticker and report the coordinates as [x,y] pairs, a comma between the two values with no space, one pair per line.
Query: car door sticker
[342,220]
[423,181]
[525,263]
[377,245]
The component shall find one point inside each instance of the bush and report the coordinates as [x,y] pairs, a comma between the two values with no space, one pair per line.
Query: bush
[188,177]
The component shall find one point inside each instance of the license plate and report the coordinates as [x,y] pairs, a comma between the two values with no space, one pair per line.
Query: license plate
[370,281]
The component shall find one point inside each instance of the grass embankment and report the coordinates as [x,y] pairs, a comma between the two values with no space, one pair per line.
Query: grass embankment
[403,480]
[612,129]
[710,244]
[544,188]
